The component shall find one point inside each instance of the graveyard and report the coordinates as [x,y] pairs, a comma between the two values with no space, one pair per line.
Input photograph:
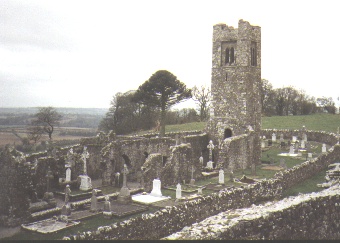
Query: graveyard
[187,184]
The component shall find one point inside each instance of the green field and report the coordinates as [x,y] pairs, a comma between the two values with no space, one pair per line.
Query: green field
[316,122]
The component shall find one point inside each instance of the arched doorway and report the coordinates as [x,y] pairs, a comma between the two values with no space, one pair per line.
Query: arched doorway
[227,133]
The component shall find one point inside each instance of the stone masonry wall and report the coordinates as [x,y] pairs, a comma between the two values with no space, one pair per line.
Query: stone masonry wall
[313,216]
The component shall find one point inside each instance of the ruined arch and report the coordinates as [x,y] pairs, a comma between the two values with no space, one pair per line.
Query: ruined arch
[127,161]
[228,133]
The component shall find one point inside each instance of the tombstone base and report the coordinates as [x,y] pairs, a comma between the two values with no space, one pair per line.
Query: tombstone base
[85,183]
[124,195]
[66,209]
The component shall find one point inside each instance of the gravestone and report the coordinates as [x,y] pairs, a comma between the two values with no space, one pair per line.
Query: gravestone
[303,144]
[192,181]
[107,213]
[291,149]
[178,191]
[117,181]
[274,137]
[177,139]
[294,139]
[281,137]
[94,201]
[201,161]
[210,165]
[221,177]
[304,137]
[253,169]
[231,176]
[200,190]
[324,149]
[310,155]
[156,188]
[66,209]
[124,194]
[263,145]
[283,164]
[68,174]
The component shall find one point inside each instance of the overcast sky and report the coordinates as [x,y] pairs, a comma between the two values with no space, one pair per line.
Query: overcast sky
[80,53]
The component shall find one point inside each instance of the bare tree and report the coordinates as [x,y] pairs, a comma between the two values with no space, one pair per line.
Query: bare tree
[46,120]
[202,96]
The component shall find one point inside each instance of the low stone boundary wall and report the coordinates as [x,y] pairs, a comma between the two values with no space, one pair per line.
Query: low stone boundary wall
[310,216]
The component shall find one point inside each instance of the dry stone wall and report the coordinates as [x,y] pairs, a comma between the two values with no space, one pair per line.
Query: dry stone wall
[313,216]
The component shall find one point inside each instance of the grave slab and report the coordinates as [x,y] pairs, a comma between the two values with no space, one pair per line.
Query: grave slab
[48,226]
[122,210]
[148,199]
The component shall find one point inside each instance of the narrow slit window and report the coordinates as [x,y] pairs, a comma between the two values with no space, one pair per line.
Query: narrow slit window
[226,55]
[232,55]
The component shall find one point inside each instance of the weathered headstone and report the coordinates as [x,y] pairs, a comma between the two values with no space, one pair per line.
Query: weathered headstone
[324,148]
[192,180]
[283,163]
[68,174]
[263,145]
[201,161]
[94,201]
[177,139]
[156,188]
[66,209]
[231,176]
[274,137]
[253,169]
[210,165]
[303,144]
[178,191]
[304,137]
[294,139]
[291,149]
[281,137]
[221,177]
[200,190]
[117,181]
[107,213]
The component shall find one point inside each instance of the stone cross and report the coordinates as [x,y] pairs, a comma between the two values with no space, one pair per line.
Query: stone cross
[85,156]
[67,194]
[69,157]
[210,146]
[125,171]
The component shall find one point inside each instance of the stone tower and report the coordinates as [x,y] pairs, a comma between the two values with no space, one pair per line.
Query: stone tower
[235,82]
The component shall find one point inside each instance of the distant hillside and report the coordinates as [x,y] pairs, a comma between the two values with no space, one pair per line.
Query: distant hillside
[65,110]
[72,117]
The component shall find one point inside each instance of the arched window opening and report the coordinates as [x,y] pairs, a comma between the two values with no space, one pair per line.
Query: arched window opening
[227,133]
[165,158]
[126,160]
[232,55]
[226,55]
